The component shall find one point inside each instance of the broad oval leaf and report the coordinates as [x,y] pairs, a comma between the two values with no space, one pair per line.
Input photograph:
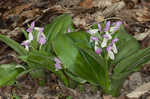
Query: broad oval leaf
[8,73]
[127,45]
[58,26]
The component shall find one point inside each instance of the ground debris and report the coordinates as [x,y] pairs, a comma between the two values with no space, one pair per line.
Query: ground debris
[139,91]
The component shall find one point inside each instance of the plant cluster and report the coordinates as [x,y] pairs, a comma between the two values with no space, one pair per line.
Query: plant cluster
[105,55]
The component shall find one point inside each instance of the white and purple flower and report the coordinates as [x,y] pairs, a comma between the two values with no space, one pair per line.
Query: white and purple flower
[112,49]
[107,40]
[27,42]
[41,37]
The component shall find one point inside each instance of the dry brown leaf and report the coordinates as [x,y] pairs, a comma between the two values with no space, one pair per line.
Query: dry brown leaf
[19,9]
[143,15]
[86,4]
[30,13]
[107,97]
[139,91]
[16,11]
[102,3]
[99,18]
[142,36]
[114,8]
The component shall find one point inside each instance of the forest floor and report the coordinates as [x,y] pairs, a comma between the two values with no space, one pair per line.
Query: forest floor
[15,15]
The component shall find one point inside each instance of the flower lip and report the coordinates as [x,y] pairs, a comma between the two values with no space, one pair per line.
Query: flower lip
[41,37]
[58,66]
[99,27]
[115,40]
[25,43]
[98,50]
[57,60]
[68,30]
[94,38]
[109,48]
[105,36]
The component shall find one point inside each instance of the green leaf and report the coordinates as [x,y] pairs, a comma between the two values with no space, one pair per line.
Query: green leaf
[38,59]
[127,45]
[14,45]
[42,60]
[126,66]
[65,50]
[8,73]
[58,26]
[93,69]
[79,60]
[75,78]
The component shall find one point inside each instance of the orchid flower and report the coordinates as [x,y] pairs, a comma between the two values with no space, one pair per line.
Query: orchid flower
[41,37]
[107,26]
[114,48]
[99,27]
[57,64]
[26,43]
[116,27]
[97,49]
[106,37]
[30,29]
[110,53]
[111,49]
[93,38]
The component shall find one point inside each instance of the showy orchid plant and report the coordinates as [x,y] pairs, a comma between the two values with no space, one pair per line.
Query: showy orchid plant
[105,55]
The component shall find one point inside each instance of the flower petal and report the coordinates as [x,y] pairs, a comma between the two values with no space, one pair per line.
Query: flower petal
[32,25]
[111,55]
[98,51]
[29,30]
[25,43]
[68,30]
[41,30]
[58,66]
[114,48]
[104,43]
[93,31]
[30,36]
[99,27]
[107,26]
[93,38]
[57,60]
[115,40]
[27,48]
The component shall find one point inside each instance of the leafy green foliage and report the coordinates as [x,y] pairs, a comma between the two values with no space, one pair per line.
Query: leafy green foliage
[38,57]
[13,44]
[77,55]
[8,73]
[57,27]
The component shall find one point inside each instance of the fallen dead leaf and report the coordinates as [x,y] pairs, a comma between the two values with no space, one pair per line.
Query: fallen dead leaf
[107,97]
[139,91]
[142,36]
[102,3]
[16,11]
[143,15]
[30,13]
[113,9]
[86,4]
